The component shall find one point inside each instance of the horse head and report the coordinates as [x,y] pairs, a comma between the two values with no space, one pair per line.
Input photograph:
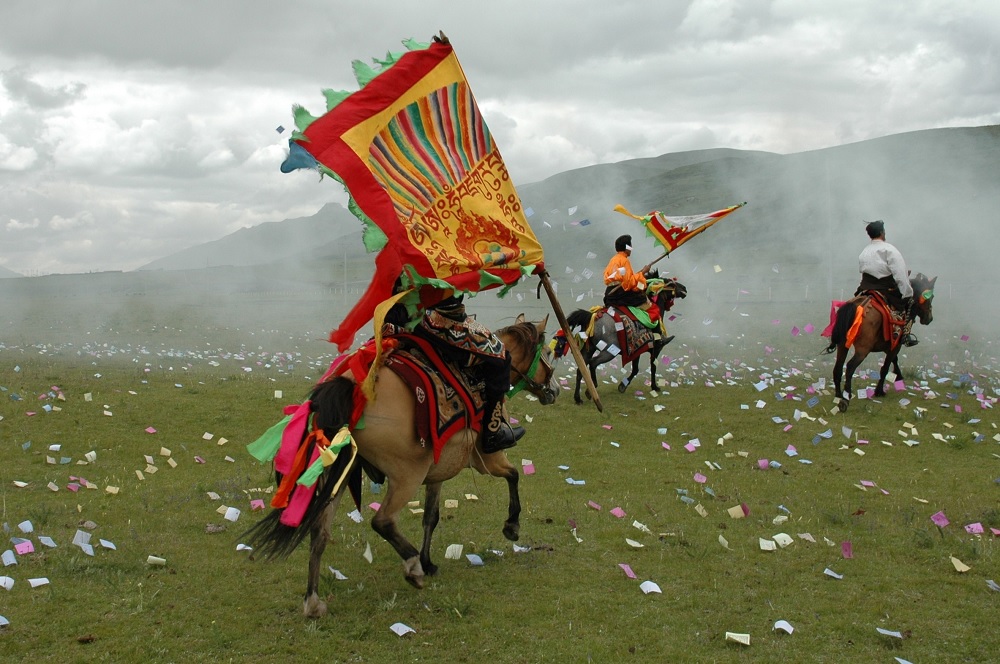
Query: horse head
[923,296]
[531,358]
[665,296]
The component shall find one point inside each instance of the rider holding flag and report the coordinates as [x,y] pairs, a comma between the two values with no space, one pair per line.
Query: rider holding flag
[625,288]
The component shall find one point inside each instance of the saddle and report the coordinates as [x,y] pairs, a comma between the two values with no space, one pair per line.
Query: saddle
[635,336]
[895,324]
[448,399]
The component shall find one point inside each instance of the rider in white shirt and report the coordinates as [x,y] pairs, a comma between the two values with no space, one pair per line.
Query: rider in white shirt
[883,269]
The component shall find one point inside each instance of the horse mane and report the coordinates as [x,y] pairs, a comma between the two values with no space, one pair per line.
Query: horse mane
[919,281]
[525,334]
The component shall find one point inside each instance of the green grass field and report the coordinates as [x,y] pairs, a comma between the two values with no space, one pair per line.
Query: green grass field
[567,598]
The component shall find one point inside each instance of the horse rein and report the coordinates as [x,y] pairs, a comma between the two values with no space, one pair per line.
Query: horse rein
[525,381]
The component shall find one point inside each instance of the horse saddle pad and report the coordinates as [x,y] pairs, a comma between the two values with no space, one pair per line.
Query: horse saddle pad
[892,321]
[634,338]
[447,400]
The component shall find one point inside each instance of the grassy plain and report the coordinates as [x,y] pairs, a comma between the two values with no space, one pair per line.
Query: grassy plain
[564,600]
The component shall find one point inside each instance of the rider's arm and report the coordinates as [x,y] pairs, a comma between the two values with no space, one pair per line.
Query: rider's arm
[898,269]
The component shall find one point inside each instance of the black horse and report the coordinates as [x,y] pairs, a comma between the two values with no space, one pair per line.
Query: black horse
[604,330]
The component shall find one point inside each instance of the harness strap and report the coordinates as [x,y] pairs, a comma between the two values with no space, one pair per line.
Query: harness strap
[524,381]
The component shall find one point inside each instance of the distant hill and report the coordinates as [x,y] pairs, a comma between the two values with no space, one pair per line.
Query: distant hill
[937,190]
[9,274]
[805,212]
[270,242]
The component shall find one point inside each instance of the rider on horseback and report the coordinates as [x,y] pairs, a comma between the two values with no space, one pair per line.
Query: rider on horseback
[475,350]
[625,288]
[883,269]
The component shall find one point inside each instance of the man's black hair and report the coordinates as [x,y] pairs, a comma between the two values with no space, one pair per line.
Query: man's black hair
[875,229]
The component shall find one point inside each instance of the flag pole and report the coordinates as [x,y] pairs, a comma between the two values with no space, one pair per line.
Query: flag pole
[564,324]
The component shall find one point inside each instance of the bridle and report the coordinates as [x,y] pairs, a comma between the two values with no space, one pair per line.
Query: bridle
[525,380]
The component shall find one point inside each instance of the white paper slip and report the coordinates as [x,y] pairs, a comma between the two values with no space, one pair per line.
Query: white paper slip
[38,582]
[232,514]
[649,587]
[401,630]
[6,582]
[783,626]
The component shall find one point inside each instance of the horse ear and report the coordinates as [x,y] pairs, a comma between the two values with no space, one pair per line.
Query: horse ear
[519,319]
[541,326]
[933,281]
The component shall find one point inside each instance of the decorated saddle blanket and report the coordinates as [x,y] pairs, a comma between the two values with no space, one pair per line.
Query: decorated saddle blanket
[634,337]
[894,323]
[447,399]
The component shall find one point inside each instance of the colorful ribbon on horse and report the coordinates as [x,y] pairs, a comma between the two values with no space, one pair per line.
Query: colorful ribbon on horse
[324,454]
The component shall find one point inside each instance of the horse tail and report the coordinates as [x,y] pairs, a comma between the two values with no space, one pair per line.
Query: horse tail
[579,318]
[845,319]
[332,405]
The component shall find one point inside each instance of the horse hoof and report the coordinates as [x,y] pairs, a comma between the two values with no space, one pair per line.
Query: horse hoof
[843,405]
[314,608]
[879,393]
[578,401]
[430,569]
[511,531]
[621,387]
[413,572]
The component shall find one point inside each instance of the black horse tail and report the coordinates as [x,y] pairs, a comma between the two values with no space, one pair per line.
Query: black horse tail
[843,323]
[332,403]
[579,318]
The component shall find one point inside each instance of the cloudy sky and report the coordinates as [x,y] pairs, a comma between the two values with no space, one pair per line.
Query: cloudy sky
[132,130]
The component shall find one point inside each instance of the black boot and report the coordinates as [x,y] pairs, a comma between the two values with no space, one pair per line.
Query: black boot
[497,433]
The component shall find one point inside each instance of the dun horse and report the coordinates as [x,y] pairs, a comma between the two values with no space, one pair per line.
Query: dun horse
[388,449]
[604,330]
[870,338]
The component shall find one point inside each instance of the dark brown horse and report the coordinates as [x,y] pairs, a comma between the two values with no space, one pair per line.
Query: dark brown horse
[388,449]
[870,338]
[604,330]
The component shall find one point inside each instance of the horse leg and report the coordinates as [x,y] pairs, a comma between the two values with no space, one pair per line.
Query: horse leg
[400,489]
[895,367]
[654,355]
[635,369]
[880,388]
[576,395]
[498,465]
[432,514]
[314,607]
[593,378]
[838,369]
[852,364]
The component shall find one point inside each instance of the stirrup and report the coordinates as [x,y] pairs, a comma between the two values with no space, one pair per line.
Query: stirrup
[501,439]
[910,340]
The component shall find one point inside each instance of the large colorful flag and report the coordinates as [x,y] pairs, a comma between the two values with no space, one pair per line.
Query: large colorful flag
[672,232]
[419,163]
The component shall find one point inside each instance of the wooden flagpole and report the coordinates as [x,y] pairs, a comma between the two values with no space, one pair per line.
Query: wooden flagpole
[564,324]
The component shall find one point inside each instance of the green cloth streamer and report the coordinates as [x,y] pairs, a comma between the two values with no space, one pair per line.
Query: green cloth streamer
[643,317]
[312,473]
[266,447]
